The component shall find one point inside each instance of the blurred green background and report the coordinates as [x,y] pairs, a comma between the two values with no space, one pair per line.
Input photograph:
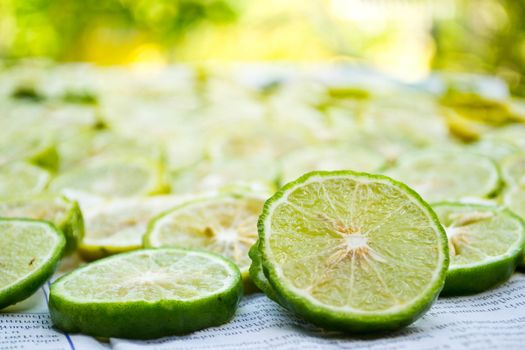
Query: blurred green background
[404,38]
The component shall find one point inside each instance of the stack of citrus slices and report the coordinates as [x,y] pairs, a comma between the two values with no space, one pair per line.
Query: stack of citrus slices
[352,204]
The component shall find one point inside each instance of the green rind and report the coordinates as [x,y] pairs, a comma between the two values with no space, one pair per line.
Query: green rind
[47,158]
[142,319]
[257,274]
[483,276]
[347,321]
[29,285]
[466,281]
[73,227]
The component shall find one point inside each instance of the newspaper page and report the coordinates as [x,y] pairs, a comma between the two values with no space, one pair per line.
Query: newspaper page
[491,320]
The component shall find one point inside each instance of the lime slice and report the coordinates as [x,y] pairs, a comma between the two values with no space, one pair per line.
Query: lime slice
[21,179]
[37,151]
[147,294]
[226,225]
[485,244]
[254,175]
[119,225]
[513,169]
[497,150]
[512,133]
[330,158]
[448,175]
[59,210]
[113,178]
[77,146]
[352,251]
[30,252]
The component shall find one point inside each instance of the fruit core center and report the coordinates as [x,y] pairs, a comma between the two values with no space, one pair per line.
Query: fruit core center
[226,235]
[356,241]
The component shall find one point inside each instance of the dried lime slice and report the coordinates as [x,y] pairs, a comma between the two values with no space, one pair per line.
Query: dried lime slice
[38,151]
[513,169]
[352,251]
[147,294]
[113,178]
[485,244]
[22,179]
[59,210]
[225,224]
[336,157]
[119,225]
[448,175]
[30,252]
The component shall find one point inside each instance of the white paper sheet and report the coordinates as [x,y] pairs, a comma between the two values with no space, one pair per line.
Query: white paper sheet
[492,320]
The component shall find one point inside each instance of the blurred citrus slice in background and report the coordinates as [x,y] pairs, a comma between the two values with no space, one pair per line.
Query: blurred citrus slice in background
[224,224]
[485,244]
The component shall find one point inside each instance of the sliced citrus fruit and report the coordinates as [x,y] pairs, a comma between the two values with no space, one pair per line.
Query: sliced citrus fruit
[30,252]
[485,244]
[147,294]
[113,178]
[21,179]
[448,175]
[513,169]
[512,133]
[335,157]
[225,224]
[254,175]
[352,251]
[497,150]
[117,226]
[62,212]
[38,151]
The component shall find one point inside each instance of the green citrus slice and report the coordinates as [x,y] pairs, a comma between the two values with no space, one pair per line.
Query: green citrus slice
[448,175]
[30,252]
[21,179]
[226,225]
[62,212]
[497,150]
[513,169]
[251,175]
[113,178]
[352,251]
[330,158]
[119,225]
[485,244]
[147,294]
[38,151]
